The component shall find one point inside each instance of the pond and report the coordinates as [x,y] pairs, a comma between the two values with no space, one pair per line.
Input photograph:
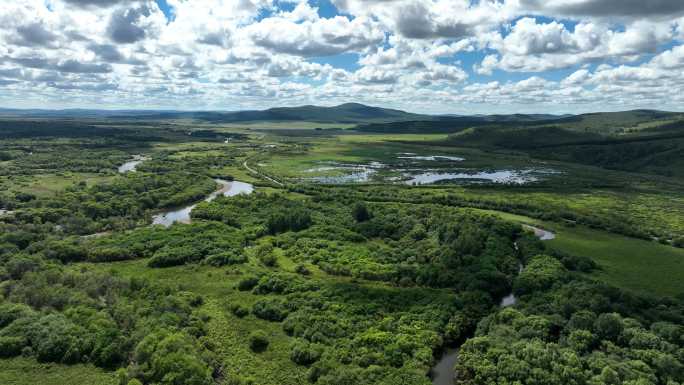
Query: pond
[344,173]
[132,164]
[182,215]
[431,157]
[500,176]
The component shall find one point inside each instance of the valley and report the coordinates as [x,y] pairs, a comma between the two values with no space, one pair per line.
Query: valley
[340,251]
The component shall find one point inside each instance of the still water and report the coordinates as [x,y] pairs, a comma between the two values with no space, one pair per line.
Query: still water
[182,215]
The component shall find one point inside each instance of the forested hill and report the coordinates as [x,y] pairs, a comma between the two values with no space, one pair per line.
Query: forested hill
[349,113]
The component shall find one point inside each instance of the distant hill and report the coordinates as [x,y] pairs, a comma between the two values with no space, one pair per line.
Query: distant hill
[622,122]
[453,124]
[643,141]
[349,113]
[378,119]
[602,123]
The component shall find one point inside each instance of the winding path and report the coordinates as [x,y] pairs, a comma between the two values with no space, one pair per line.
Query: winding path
[246,166]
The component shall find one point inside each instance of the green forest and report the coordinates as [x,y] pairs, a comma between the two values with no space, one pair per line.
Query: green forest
[153,274]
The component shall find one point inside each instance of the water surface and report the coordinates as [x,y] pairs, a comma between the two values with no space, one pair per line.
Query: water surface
[432,157]
[443,373]
[132,164]
[182,215]
[543,235]
[351,173]
[501,176]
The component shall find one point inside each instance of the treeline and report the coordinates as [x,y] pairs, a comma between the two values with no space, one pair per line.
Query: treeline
[614,222]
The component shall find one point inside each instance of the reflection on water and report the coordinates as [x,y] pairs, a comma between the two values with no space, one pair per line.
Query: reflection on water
[543,235]
[352,173]
[182,215]
[132,164]
[501,176]
[432,157]
[508,300]
[443,372]
[341,173]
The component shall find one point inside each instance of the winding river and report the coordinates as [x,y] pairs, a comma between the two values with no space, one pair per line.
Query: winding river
[132,164]
[182,215]
[443,372]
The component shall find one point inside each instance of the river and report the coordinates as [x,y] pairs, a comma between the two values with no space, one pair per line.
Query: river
[132,164]
[443,372]
[182,215]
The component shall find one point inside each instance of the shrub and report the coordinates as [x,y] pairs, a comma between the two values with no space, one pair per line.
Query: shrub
[57,339]
[171,358]
[173,256]
[270,309]
[360,212]
[609,326]
[268,260]
[239,310]
[304,353]
[11,311]
[264,253]
[540,274]
[678,242]
[292,220]
[225,258]
[11,346]
[247,283]
[258,341]
[303,270]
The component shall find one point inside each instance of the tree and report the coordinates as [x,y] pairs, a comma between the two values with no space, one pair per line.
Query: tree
[360,212]
[609,326]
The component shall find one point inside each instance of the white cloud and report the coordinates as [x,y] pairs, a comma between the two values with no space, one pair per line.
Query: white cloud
[402,53]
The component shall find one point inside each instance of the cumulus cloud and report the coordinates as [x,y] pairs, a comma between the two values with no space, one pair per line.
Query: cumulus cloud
[98,3]
[127,25]
[317,37]
[34,34]
[435,55]
[607,8]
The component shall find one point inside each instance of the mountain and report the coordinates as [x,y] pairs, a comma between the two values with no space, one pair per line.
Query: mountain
[349,113]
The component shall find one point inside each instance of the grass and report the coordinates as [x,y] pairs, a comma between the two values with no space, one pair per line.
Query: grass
[50,184]
[289,125]
[634,264]
[640,266]
[25,371]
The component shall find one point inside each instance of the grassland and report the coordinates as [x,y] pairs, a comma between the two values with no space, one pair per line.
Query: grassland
[26,371]
[49,184]
[641,266]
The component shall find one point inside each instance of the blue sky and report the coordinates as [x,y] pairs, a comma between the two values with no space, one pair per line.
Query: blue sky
[435,56]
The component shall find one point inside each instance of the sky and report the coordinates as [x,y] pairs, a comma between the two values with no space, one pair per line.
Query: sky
[425,56]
